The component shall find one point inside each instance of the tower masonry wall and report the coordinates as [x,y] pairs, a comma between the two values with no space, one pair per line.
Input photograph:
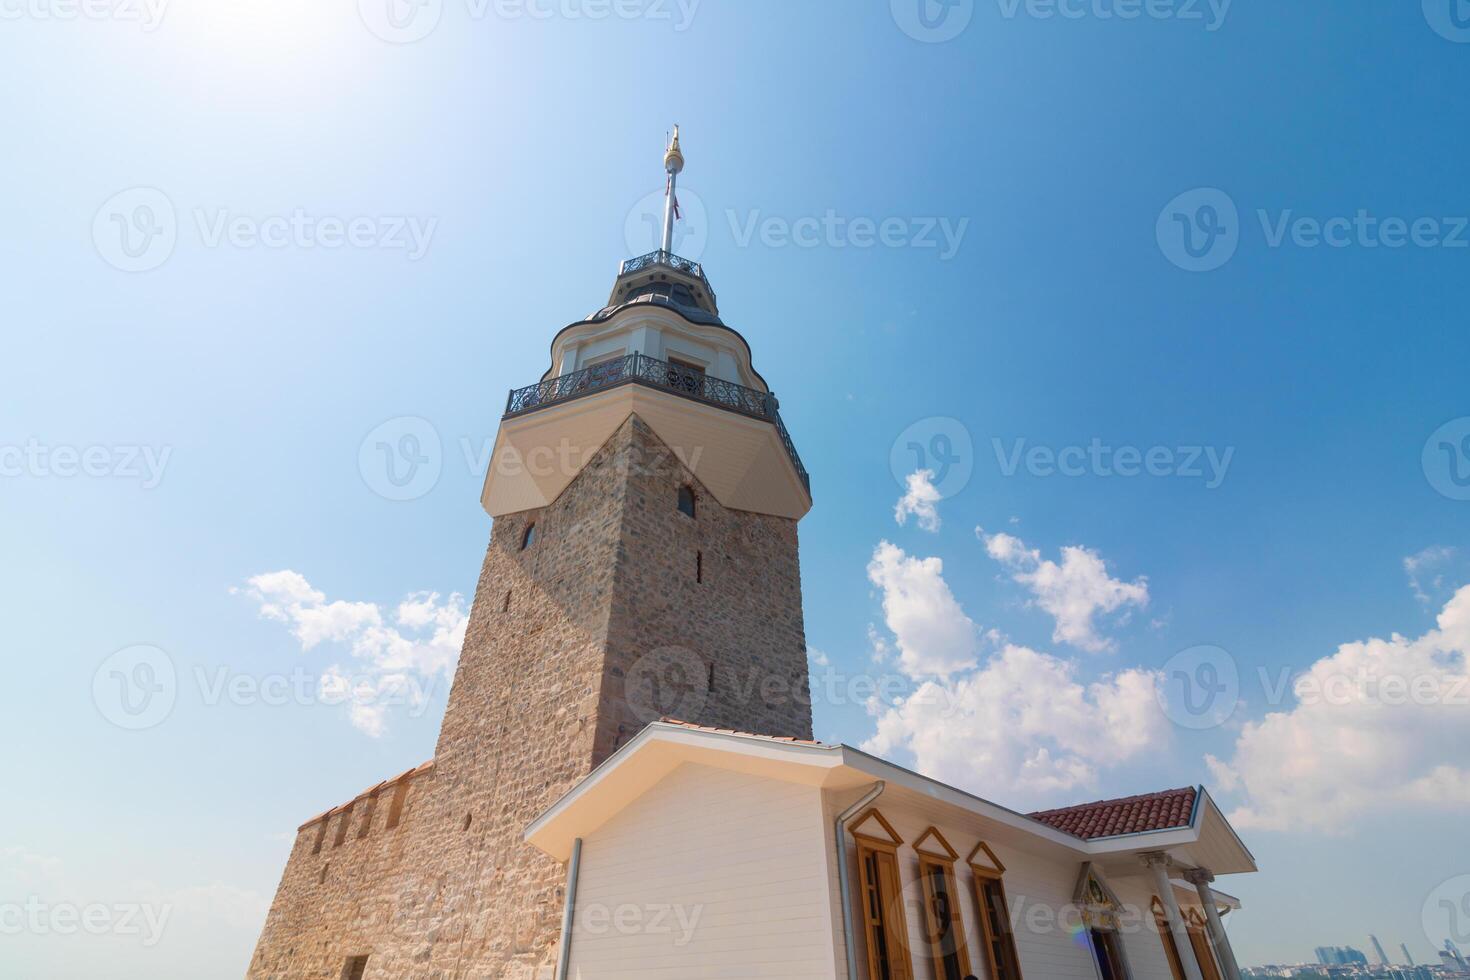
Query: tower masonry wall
[621,609]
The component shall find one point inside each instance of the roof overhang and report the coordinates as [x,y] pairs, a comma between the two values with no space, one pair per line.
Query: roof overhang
[663,746]
[738,458]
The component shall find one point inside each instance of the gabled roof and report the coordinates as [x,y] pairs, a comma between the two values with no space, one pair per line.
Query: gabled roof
[1127,815]
[1202,835]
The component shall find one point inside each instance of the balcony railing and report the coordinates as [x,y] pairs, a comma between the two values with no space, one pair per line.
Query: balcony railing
[661,257]
[650,371]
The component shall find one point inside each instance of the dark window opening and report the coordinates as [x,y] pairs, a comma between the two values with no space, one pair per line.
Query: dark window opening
[686,500]
[355,967]
[1109,956]
[505,606]
[711,685]
[699,566]
[468,819]
[529,538]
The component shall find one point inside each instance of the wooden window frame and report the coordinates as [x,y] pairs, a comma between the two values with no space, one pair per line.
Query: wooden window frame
[942,866]
[994,874]
[1166,936]
[1199,937]
[894,923]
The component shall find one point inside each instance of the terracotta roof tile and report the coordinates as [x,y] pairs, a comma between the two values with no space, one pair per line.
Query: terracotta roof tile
[1129,815]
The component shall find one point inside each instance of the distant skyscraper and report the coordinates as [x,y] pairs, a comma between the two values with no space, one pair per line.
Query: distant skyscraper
[1340,956]
[1404,948]
[1378,949]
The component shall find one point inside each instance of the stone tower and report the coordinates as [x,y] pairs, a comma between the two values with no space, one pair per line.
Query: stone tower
[642,563]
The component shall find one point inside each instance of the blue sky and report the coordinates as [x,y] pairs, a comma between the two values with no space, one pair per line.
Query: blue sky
[496,165]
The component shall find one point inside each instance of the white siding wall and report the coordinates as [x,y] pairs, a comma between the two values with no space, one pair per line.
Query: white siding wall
[1142,942]
[741,858]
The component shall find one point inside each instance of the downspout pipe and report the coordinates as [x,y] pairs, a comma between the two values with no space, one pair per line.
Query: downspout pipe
[844,885]
[574,871]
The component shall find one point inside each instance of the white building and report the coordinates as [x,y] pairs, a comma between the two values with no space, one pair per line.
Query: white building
[695,852]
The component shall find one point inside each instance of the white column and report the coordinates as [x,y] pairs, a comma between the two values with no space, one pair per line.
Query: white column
[1200,878]
[1158,863]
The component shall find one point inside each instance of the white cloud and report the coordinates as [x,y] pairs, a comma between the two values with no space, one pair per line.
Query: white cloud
[396,663]
[934,635]
[921,499]
[1023,729]
[1380,724]
[1074,593]
[1420,569]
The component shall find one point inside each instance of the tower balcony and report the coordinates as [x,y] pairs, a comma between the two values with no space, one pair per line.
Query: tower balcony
[663,376]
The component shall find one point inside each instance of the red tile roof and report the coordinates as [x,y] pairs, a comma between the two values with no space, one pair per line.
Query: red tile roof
[1129,815]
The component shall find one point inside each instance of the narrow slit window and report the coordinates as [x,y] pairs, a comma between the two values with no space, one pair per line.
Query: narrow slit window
[699,566]
[354,968]
[469,818]
[687,502]
[529,537]
[505,606]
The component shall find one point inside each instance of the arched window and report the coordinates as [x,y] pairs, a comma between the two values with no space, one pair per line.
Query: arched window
[686,500]
[529,538]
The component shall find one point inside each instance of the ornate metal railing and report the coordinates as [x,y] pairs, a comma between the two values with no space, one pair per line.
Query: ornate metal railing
[654,373]
[660,257]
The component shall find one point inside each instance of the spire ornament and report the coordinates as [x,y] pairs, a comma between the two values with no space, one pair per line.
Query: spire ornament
[673,165]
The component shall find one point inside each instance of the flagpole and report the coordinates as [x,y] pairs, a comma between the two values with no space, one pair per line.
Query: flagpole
[673,164]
